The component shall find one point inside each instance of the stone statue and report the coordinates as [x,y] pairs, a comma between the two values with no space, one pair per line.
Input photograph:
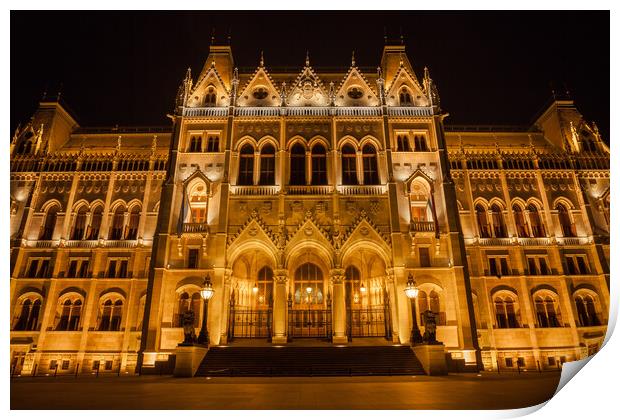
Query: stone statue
[188,327]
[430,328]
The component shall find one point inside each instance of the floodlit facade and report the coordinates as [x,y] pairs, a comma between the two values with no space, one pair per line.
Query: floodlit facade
[308,199]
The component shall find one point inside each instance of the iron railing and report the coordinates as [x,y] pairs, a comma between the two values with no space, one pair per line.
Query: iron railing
[314,323]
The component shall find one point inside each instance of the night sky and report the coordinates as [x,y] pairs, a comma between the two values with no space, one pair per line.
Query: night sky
[490,67]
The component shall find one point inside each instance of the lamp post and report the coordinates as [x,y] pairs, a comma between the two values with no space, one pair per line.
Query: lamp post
[206,293]
[412,293]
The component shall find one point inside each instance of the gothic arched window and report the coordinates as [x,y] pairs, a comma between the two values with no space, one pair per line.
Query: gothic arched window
[265,286]
[49,224]
[28,318]
[505,312]
[319,165]
[483,223]
[352,285]
[538,229]
[497,219]
[420,143]
[79,224]
[246,166]
[547,311]
[522,229]
[118,222]
[568,228]
[195,144]
[405,97]
[70,314]
[298,165]
[586,311]
[349,166]
[371,171]
[402,143]
[210,97]
[267,165]
[134,221]
[111,315]
[308,285]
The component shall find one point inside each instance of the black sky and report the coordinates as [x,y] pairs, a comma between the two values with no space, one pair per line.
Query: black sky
[491,67]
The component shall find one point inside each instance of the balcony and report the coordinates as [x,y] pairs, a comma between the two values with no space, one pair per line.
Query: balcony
[254,189]
[534,241]
[362,189]
[494,242]
[205,112]
[196,227]
[422,226]
[309,189]
[410,111]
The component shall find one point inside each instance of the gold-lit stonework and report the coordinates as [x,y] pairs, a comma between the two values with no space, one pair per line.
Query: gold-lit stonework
[308,194]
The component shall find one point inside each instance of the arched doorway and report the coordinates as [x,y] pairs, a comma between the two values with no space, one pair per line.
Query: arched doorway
[309,303]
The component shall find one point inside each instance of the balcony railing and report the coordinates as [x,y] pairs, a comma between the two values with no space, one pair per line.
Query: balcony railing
[308,189]
[205,112]
[494,241]
[359,111]
[263,111]
[311,111]
[362,189]
[81,243]
[422,226]
[195,227]
[121,243]
[254,189]
[534,241]
[410,111]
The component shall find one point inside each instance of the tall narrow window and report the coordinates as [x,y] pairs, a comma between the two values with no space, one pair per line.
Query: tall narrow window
[267,165]
[192,258]
[198,202]
[420,143]
[522,230]
[134,221]
[111,315]
[118,222]
[264,295]
[70,313]
[49,224]
[246,166]
[213,143]
[371,172]
[505,312]
[538,230]
[210,97]
[195,144]
[298,165]
[349,166]
[405,97]
[425,257]
[319,165]
[28,319]
[352,286]
[483,223]
[308,285]
[95,224]
[497,219]
[586,311]
[568,229]
[402,143]
[79,225]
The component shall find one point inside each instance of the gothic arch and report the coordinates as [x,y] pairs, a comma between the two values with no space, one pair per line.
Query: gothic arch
[372,140]
[237,250]
[350,140]
[296,140]
[267,140]
[319,140]
[565,202]
[49,204]
[113,291]
[246,140]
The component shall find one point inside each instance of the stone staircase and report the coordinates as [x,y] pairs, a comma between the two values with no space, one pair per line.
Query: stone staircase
[310,361]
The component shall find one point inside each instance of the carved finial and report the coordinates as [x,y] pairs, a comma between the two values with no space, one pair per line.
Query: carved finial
[379,73]
[332,93]
[353,58]
[307,58]
[283,94]
[118,144]
[262,59]
[401,60]
[236,74]
[154,144]
[213,36]
[427,73]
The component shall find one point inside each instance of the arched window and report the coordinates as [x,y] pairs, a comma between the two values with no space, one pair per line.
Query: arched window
[210,97]
[264,294]
[187,303]
[497,219]
[95,223]
[369,159]
[28,317]
[405,97]
[49,224]
[134,221]
[111,315]
[568,228]
[308,285]
[267,165]
[213,143]
[246,166]
[349,166]
[547,311]
[70,314]
[538,229]
[420,143]
[198,202]
[522,229]
[319,165]
[298,165]
[429,300]
[402,143]
[79,225]
[483,223]
[352,286]
[505,313]
[586,311]
[195,144]
[118,223]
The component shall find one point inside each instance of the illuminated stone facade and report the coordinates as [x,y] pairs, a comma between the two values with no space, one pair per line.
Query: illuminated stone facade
[308,199]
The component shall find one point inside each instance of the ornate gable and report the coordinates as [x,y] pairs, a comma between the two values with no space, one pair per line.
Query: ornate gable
[309,229]
[355,90]
[260,90]
[365,230]
[307,90]
[208,84]
[405,81]
[254,228]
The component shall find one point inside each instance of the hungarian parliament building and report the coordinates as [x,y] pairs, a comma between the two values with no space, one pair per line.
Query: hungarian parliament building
[309,200]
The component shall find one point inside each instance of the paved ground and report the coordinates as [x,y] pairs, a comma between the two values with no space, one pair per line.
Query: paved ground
[463,391]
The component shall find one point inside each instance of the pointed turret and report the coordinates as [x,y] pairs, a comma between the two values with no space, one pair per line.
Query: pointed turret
[220,57]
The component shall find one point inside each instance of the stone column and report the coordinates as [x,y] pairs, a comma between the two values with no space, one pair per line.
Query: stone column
[338,307]
[279,307]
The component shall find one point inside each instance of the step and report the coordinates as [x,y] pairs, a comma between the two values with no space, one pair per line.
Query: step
[310,361]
